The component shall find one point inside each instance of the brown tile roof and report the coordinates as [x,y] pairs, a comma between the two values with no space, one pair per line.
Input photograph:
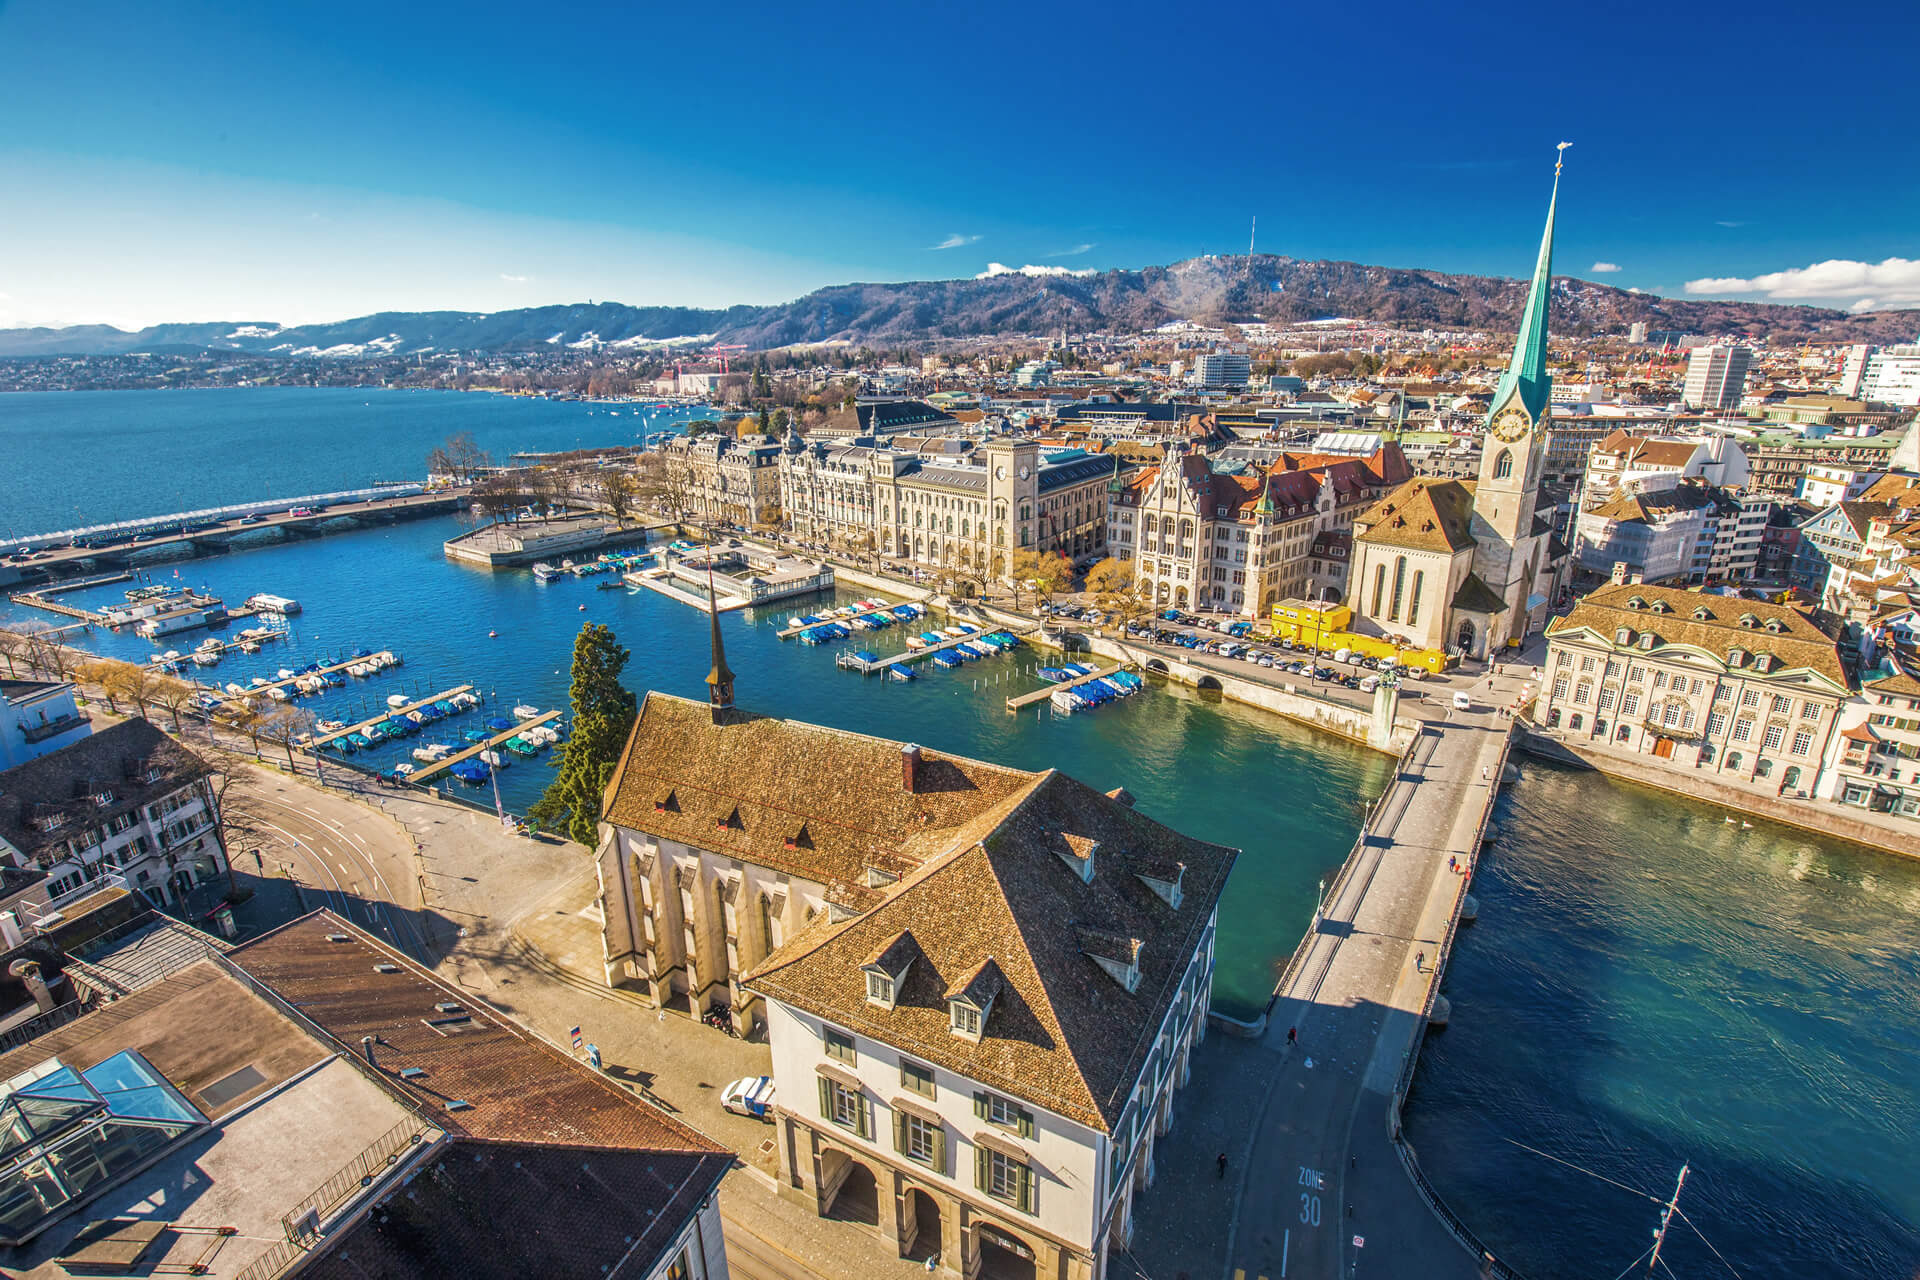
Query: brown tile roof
[1000,916]
[520,1089]
[1802,641]
[62,782]
[1424,514]
[775,774]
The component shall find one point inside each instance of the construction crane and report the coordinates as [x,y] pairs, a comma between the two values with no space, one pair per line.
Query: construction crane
[720,353]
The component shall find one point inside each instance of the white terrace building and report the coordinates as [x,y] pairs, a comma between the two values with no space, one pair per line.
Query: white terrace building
[981,985]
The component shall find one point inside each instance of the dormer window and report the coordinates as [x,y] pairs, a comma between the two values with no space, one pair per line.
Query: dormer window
[965,1020]
[1647,640]
[1623,636]
[887,968]
[1164,879]
[1775,626]
[1736,657]
[1078,853]
[1702,614]
[1748,621]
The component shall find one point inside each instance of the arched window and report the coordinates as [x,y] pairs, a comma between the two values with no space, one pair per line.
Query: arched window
[1399,587]
[1379,588]
[1503,465]
[1413,604]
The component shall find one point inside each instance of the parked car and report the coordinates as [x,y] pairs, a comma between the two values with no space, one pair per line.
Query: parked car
[1461,702]
[752,1096]
[255,518]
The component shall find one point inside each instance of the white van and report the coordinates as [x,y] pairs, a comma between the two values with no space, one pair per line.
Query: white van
[1341,655]
[1369,684]
[1461,702]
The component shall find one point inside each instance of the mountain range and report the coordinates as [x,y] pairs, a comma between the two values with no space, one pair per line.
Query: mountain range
[1264,287]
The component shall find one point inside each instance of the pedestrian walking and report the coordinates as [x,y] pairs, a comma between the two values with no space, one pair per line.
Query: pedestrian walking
[1484,774]
[1420,962]
[1293,1035]
[1453,862]
[1220,1162]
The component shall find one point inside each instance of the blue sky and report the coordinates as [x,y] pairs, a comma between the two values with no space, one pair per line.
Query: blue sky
[299,162]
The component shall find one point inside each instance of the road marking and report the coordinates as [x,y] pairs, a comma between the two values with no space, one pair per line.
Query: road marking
[1285,1240]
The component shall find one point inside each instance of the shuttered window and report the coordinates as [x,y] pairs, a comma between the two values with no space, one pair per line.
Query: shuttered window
[917,1078]
[1004,1112]
[1004,1178]
[921,1141]
[848,1108]
[840,1046]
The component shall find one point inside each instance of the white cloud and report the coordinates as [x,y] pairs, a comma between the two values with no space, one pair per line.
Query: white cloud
[1002,269]
[512,279]
[955,241]
[1722,222]
[1893,282]
[1602,268]
[1074,252]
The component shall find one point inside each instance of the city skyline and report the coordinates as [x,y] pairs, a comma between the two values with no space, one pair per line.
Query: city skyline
[185,168]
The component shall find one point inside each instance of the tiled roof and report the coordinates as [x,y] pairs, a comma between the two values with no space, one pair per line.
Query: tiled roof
[62,782]
[846,787]
[520,1089]
[1475,596]
[1801,640]
[1424,514]
[1001,908]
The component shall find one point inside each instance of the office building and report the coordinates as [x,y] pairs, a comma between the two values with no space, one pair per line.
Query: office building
[1716,377]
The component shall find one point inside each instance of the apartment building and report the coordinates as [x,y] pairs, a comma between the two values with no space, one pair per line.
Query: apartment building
[1222,371]
[1874,761]
[1714,684]
[1626,458]
[944,503]
[718,479]
[1717,377]
[127,801]
[1692,531]
[1205,533]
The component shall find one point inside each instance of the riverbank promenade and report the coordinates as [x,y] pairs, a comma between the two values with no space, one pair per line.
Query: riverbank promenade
[1307,1112]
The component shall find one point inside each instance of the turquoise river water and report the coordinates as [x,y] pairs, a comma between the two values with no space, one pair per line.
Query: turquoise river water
[1646,984]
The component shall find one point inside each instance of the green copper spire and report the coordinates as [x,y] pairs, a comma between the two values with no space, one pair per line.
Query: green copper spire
[1528,370]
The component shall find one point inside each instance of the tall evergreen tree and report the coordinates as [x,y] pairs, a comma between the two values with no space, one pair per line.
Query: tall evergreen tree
[603,713]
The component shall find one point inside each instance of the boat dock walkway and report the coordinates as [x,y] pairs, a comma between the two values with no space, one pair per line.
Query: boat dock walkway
[321,740]
[288,683]
[43,598]
[788,633]
[1345,1026]
[1020,700]
[422,772]
[267,636]
[852,663]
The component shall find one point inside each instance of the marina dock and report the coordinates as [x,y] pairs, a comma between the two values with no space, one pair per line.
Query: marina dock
[788,633]
[422,772]
[321,740]
[661,580]
[261,689]
[851,663]
[1040,695]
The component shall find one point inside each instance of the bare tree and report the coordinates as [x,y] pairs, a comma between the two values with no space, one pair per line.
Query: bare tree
[174,696]
[616,488]
[285,724]
[13,647]
[49,652]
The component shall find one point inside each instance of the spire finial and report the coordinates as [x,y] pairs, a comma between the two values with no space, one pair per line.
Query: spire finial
[1527,371]
[720,679]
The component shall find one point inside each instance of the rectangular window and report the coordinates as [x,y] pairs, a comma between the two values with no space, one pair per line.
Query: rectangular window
[1716,724]
[1699,687]
[1751,698]
[1560,687]
[915,1078]
[919,1140]
[1802,742]
[1586,665]
[840,1046]
[1004,1177]
[1723,693]
[1659,679]
[1630,704]
[1810,711]
[1583,692]
[1606,699]
[1781,705]
[1563,659]
[880,988]
[846,1107]
[1004,1112]
[1636,674]
[1772,741]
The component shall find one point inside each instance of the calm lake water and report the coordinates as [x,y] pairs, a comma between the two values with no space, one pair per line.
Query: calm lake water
[1646,984]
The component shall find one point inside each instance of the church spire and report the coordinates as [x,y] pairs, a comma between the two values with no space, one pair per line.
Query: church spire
[1527,371]
[720,679]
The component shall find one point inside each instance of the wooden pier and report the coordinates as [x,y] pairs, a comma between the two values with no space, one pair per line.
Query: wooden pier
[321,740]
[261,689]
[1028,699]
[911,655]
[424,771]
[846,620]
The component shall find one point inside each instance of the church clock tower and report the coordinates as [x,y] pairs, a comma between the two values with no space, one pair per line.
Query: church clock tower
[1507,552]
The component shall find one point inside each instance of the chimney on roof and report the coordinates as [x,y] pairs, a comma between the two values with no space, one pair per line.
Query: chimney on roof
[909,767]
[366,1047]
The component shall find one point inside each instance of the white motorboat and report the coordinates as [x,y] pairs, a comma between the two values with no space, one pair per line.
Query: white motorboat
[525,712]
[397,700]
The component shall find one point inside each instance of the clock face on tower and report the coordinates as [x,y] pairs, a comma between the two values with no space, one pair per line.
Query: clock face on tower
[1511,424]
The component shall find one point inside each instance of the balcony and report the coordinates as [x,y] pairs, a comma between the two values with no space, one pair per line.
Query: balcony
[37,733]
